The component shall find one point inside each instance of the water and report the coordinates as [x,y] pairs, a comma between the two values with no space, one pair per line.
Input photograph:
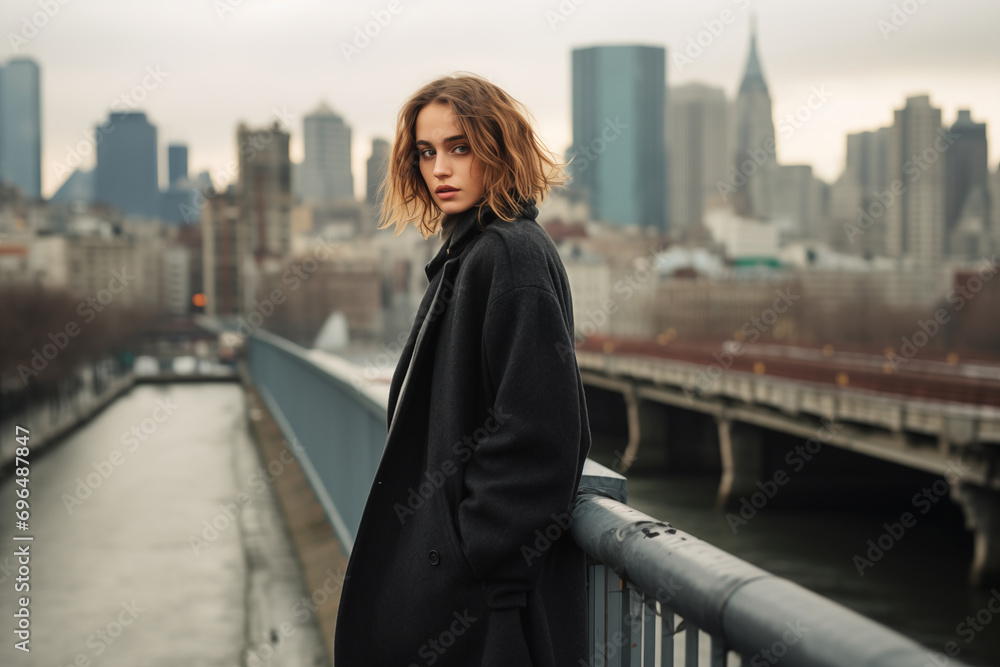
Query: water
[918,588]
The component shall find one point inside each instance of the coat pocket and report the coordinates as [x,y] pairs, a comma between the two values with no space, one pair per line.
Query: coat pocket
[454,539]
[429,606]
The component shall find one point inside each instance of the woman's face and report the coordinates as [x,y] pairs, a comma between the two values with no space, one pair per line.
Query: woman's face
[453,175]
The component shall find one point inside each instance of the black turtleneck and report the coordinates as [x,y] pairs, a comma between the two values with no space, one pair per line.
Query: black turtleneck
[458,230]
[448,225]
[450,221]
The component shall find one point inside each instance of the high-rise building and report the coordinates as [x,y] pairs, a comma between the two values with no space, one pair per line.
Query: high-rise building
[377,165]
[21,126]
[915,217]
[177,164]
[755,151]
[697,150]
[265,193]
[840,227]
[325,173]
[867,155]
[179,202]
[970,237]
[225,255]
[797,200]
[619,144]
[993,189]
[856,200]
[967,169]
[78,187]
[126,173]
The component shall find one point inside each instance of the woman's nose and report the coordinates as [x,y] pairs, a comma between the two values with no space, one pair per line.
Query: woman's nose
[442,167]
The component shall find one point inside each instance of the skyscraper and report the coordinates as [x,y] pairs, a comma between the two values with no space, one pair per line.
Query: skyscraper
[993,190]
[377,165]
[177,163]
[755,150]
[179,202]
[325,173]
[867,153]
[916,146]
[970,238]
[619,144]
[21,126]
[265,191]
[867,174]
[79,187]
[246,230]
[797,199]
[225,255]
[967,169]
[697,150]
[126,173]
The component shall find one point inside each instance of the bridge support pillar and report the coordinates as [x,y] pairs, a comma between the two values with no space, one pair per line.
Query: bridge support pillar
[742,453]
[982,516]
[647,428]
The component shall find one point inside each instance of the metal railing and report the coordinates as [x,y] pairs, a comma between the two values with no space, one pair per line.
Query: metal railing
[336,429]
[658,596]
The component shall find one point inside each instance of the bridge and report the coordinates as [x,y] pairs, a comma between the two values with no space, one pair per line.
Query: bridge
[694,407]
[658,595]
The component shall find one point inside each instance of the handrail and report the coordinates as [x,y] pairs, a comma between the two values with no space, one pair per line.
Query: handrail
[745,608]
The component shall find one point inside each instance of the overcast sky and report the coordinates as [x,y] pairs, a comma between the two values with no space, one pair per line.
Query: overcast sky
[230,60]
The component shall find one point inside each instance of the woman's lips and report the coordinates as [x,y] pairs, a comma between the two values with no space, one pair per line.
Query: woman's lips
[447,194]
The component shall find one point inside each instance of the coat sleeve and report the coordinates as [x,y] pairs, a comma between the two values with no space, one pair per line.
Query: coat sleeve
[522,477]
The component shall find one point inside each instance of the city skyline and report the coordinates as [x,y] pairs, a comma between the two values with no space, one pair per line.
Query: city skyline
[209,85]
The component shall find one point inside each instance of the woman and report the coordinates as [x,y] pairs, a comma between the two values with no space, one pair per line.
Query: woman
[463,555]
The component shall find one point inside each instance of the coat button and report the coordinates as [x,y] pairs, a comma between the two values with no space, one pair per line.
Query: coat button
[434,557]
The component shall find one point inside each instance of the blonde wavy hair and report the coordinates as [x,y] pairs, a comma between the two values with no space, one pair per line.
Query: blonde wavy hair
[516,164]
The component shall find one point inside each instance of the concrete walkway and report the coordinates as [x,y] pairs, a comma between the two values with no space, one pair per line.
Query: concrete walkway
[157,541]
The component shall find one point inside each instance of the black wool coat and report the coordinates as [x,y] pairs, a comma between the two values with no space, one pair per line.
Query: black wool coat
[463,556]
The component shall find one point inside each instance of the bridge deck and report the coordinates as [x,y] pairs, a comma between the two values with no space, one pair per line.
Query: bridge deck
[135,559]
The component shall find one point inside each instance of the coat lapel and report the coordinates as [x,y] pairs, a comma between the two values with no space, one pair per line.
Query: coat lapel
[425,338]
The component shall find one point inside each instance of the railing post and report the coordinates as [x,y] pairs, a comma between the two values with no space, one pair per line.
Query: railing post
[608,602]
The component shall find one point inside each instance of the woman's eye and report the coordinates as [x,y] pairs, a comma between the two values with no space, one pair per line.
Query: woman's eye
[424,153]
